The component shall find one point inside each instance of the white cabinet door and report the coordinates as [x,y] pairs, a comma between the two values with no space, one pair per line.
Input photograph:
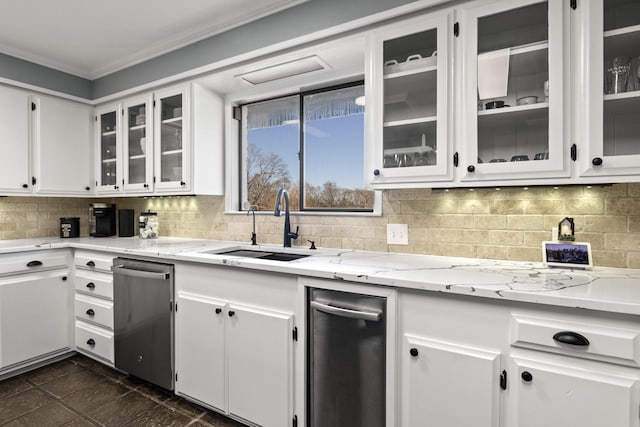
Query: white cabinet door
[549,394]
[172,140]
[35,316]
[608,99]
[514,84]
[62,146]
[15,111]
[108,149]
[137,144]
[437,377]
[260,365]
[407,92]
[200,357]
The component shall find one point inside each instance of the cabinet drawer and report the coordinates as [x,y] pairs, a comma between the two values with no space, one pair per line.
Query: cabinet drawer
[98,261]
[94,310]
[608,343]
[94,340]
[95,284]
[27,262]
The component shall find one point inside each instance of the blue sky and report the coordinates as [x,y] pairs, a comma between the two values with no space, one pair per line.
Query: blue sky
[333,149]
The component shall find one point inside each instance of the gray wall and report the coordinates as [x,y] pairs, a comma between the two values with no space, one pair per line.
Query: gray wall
[305,18]
[45,77]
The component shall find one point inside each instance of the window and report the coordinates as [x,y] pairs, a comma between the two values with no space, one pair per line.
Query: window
[318,159]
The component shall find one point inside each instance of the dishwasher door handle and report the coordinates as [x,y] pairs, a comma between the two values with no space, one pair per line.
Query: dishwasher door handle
[373,316]
[120,269]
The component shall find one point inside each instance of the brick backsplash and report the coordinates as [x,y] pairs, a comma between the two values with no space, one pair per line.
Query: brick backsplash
[508,223]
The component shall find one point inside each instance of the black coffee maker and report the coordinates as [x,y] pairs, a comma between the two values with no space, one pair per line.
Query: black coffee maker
[102,220]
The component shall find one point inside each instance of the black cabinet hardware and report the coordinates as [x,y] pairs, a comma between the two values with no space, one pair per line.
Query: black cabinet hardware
[294,333]
[91,342]
[183,183]
[455,159]
[115,187]
[573,4]
[456,29]
[231,313]
[91,285]
[34,263]
[571,338]
[414,352]
[33,106]
[91,264]
[87,188]
[597,161]
[90,312]
[25,185]
[527,377]
[574,152]
[218,310]
[376,172]
[146,186]
[471,169]
[64,278]
[503,380]
[33,180]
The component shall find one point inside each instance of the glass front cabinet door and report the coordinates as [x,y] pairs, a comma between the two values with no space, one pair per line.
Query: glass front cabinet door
[513,66]
[172,140]
[407,89]
[138,144]
[108,149]
[610,127]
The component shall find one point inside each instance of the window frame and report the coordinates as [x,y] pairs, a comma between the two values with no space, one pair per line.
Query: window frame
[235,201]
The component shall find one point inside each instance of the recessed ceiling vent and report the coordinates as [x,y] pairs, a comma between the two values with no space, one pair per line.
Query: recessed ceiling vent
[284,70]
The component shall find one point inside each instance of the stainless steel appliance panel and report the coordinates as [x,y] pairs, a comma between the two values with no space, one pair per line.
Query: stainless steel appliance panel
[143,320]
[347,359]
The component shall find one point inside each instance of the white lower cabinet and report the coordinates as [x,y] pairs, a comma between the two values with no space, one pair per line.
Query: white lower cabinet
[549,393]
[234,343]
[259,352]
[437,376]
[34,317]
[200,348]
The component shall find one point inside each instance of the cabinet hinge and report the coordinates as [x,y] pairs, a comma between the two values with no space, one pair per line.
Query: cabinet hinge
[455,159]
[574,152]
[503,380]
[573,4]
[295,333]
[33,106]
[456,29]
[294,422]
[237,113]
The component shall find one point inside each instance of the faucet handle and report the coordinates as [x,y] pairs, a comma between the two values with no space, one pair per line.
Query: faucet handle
[295,235]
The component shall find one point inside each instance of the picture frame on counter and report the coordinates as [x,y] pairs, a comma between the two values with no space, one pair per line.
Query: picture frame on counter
[567,254]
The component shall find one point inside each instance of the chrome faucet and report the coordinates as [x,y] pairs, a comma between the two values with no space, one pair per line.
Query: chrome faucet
[252,210]
[288,235]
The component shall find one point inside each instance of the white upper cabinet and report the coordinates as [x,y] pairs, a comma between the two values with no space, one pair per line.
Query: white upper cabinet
[408,86]
[512,65]
[137,144]
[108,149]
[15,114]
[609,46]
[62,146]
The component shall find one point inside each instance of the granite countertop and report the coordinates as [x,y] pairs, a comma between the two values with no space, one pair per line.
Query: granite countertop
[605,289]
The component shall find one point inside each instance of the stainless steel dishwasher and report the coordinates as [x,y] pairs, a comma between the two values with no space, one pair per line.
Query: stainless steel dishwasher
[346,359]
[143,320]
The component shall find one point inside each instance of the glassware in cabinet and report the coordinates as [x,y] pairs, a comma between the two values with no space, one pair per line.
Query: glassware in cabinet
[138,144]
[108,140]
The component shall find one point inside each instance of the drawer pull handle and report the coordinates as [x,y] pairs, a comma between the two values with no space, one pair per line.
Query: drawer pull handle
[34,263]
[91,342]
[90,312]
[571,338]
[91,264]
[91,285]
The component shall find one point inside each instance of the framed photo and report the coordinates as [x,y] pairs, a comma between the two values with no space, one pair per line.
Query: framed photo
[567,254]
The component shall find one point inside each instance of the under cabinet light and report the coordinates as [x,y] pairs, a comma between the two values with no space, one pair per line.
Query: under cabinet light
[284,70]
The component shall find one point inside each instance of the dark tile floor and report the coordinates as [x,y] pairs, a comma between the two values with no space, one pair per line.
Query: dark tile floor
[80,392]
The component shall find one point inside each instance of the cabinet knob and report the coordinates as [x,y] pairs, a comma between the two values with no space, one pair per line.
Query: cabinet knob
[25,185]
[115,187]
[527,377]
[90,264]
[231,313]
[571,338]
[183,183]
[146,186]
[91,342]
[91,285]
[218,310]
[64,278]
[376,172]
[597,161]
[471,168]
[87,188]
[90,312]
[413,352]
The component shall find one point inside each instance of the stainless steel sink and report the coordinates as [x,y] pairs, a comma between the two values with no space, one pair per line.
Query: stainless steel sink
[261,254]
